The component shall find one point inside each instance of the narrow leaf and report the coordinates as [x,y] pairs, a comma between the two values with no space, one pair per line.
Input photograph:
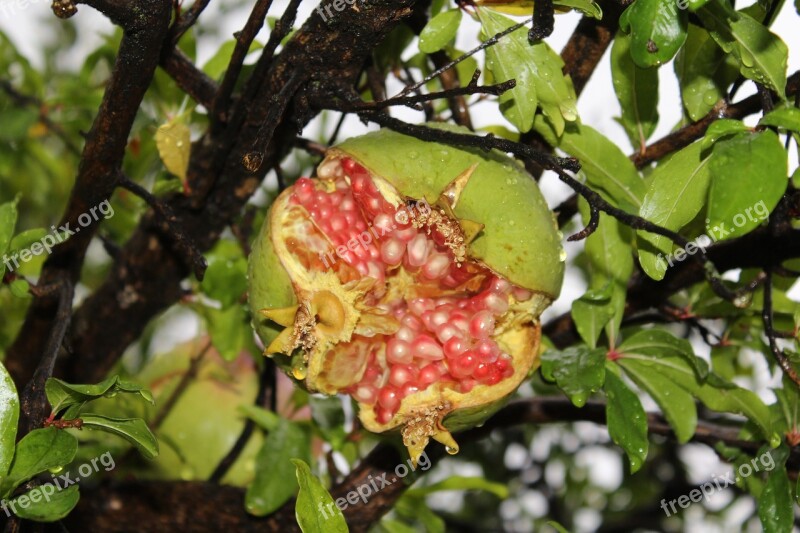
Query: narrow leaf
[315,510]
[46,503]
[439,31]
[578,371]
[626,419]
[749,175]
[677,192]
[637,92]
[274,483]
[9,418]
[133,430]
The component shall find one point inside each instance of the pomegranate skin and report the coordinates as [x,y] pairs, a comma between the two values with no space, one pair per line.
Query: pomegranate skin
[518,242]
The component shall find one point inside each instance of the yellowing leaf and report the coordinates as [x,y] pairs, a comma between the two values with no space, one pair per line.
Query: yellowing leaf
[174,143]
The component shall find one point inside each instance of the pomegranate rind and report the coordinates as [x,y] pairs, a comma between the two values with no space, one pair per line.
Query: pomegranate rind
[520,239]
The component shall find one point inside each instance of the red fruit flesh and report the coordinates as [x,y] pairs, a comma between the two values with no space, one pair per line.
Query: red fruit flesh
[447,310]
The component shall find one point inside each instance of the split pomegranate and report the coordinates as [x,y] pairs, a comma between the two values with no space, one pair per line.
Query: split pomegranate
[394,280]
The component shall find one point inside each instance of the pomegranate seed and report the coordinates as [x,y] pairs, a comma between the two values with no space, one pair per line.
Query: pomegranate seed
[366,394]
[463,366]
[404,334]
[467,385]
[338,222]
[412,322]
[406,234]
[482,325]
[383,224]
[500,286]
[392,252]
[436,267]
[454,347]
[447,331]
[481,371]
[409,389]
[400,375]
[389,398]
[418,251]
[522,295]
[384,416]
[398,351]
[496,304]
[487,350]
[426,348]
[420,305]
[348,204]
[429,374]
[493,378]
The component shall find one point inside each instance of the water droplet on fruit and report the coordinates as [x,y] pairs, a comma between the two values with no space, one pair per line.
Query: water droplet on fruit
[562,255]
[413,154]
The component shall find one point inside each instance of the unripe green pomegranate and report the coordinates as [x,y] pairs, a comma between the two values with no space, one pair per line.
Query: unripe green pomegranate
[409,275]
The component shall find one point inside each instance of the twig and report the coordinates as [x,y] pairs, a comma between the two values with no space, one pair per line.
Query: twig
[267,392]
[169,223]
[484,45]
[769,331]
[34,406]
[244,39]
[449,79]
[473,88]
[186,20]
[185,381]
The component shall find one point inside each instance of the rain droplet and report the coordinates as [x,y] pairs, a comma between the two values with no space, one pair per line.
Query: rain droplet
[511,180]
[562,255]
[451,450]
[413,154]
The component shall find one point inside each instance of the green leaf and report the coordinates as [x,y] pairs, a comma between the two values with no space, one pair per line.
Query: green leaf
[659,343]
[25,239]
[537,70]
[591,312]
[626,420]
[461,483]
[775,505]
[61,394]
[676,403]
[761,54]
[218,64]
[133,430]
[748,177]
[657,28]
[8,220]
[439,31]
[226,275]
[721,129]
[267,420]
[637,92]
[9,418]
[39,450]
[229,330]
[607,169]
[704,72]
[20,288]
[578,371]
[787,118]
[677,192]
[558,527]
[41,506]
[312,499]
[587,7]
[611,262]
[274,483]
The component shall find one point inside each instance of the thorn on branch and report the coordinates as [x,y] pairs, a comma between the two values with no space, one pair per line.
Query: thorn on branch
[591,227]
[168,220]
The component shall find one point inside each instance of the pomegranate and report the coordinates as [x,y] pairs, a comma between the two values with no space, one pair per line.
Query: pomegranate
[410,276]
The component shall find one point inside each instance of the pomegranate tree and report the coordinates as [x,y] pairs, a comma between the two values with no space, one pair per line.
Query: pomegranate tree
[410,276]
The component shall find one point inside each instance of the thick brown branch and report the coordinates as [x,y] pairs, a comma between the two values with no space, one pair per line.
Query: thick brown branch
[100,163]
